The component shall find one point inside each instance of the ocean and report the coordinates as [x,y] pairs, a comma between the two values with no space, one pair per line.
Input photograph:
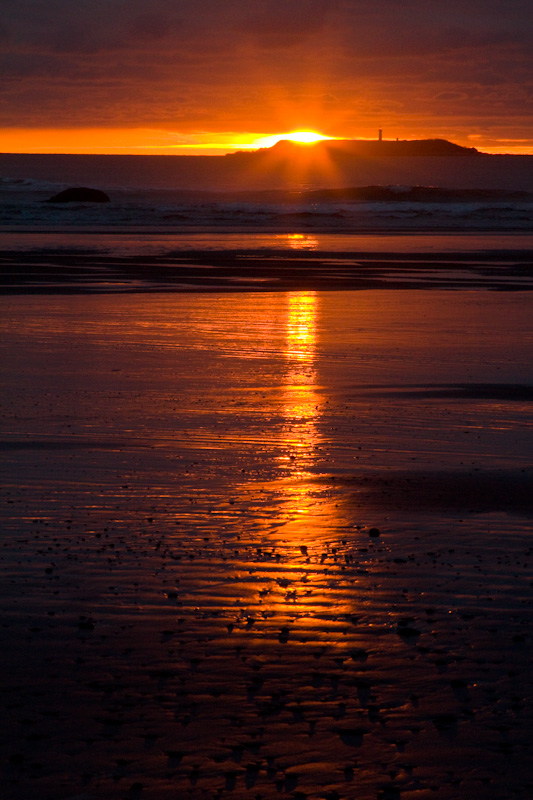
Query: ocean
[173,195]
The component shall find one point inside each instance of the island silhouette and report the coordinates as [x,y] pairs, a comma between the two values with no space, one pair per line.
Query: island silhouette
[350,148]
[413,169]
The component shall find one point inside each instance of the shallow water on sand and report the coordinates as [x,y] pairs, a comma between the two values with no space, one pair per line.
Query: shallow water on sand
[259,545]
[143,240]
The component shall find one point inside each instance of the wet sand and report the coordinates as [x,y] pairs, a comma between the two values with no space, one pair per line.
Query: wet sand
[247,269]
[267,545]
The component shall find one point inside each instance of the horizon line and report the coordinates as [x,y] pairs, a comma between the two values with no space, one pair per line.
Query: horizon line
[215,149]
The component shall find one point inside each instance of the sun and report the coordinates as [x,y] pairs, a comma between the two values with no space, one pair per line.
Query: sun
[301,137]
[305,137]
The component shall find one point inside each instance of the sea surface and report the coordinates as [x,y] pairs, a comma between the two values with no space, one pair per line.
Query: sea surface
[179,193]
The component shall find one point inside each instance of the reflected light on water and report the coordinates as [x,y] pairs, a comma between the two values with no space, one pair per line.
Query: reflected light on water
[301,402]
[301,327]
[297,241]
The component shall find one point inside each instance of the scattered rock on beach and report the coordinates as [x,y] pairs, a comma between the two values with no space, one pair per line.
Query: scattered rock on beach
[408,632]
[80,194]
[283,635]
[86,623]
[352,737]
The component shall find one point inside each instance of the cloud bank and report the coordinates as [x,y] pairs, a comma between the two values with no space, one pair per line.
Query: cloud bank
[343,67]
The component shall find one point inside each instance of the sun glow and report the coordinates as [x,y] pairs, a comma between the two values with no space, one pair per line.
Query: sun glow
[301,137]
[157,141]
[145,141]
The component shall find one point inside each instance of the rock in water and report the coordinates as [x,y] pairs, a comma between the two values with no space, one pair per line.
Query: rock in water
[80,194]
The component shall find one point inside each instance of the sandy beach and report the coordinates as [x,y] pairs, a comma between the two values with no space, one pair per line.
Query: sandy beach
[266,400]
[261,545]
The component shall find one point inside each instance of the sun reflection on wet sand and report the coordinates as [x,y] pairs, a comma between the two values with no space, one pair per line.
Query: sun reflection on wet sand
[186,547]
[301,409]
[301,401]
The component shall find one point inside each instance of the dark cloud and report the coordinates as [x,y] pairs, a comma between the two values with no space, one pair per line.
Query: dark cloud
[282,24]
[207,62]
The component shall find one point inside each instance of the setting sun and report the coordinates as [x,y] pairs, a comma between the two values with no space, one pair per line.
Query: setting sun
[302,137]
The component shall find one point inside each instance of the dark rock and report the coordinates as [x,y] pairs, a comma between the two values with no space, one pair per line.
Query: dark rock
[390,793]
[283,635]
[407,632]
[445,722]
[352,737]
[80,194]
[174,757]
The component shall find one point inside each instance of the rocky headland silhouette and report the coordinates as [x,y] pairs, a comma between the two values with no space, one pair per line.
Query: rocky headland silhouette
[352,148]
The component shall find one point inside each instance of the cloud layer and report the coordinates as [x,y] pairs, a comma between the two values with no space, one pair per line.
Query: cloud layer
[342,66]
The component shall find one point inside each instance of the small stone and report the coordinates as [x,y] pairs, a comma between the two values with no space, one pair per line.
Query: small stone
[406,632]
[445,722]
[283,635]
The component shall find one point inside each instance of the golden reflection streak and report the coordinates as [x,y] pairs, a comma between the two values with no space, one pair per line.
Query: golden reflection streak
[298,241]
[301,331]
[304,516]
[301,401]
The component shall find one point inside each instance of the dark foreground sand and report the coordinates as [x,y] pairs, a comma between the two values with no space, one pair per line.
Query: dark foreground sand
[162,658]
[267,546]
[75,271]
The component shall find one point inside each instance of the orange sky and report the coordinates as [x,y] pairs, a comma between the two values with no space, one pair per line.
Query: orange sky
[209,77]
